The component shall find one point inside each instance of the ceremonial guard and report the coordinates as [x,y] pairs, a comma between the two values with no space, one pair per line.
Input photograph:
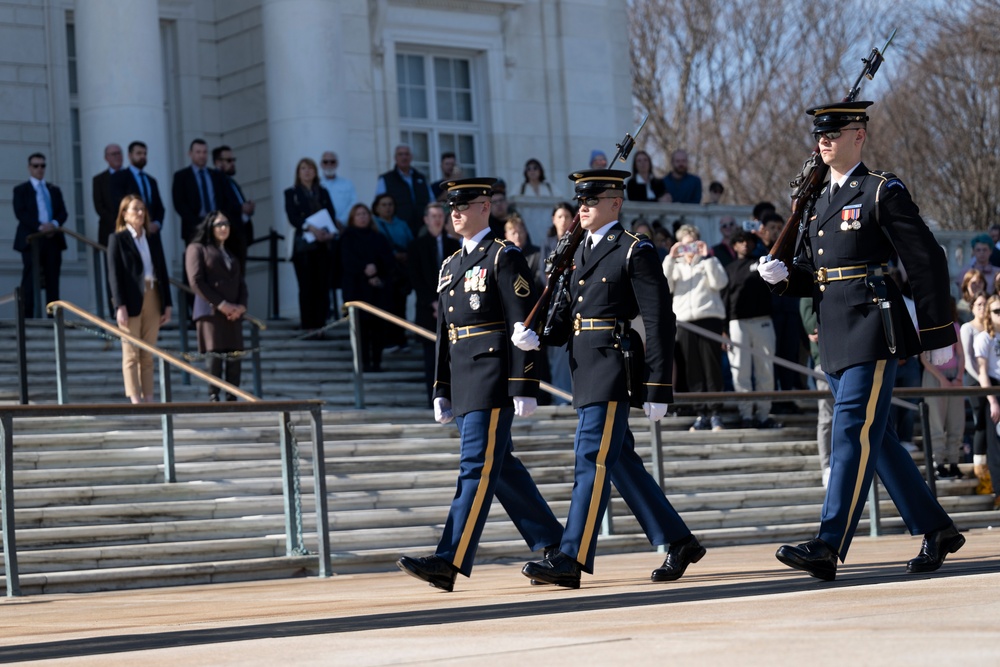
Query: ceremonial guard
[615,277]
[861,220]
[482,382]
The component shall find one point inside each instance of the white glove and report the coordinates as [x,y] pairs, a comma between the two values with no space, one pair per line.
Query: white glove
[773,272]
[524,339]
[442,410]
[655,411]
[525,406]
[941,356]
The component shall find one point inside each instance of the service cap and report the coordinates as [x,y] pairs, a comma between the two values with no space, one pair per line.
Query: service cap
[464,190]
[839,114]
[596,181]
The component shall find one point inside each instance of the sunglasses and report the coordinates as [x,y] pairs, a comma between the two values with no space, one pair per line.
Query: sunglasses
[220,224]
[38,165]
[329,162]
[831,135]
[592,201]
[464,206]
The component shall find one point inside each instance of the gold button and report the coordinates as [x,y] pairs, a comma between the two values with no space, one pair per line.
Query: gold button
[875,300]
[616,346]
[604,280]
[579,298]
[819,252]
[451,309]
[491,349]
[451,293]
[581,282]
[821,232]
[822,288]
[576,333]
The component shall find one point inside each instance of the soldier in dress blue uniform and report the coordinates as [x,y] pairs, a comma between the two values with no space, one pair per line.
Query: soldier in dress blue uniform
[861,220]
[482,382]
[616,277]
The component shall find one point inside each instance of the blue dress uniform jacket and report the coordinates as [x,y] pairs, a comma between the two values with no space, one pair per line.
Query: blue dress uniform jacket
[481,297]
[847,241]
[870,220]
[621,280]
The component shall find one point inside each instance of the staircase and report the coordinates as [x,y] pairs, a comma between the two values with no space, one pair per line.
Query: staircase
[93,512]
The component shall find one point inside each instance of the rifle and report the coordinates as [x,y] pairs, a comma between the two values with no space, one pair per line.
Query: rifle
[806,186]
[562,257]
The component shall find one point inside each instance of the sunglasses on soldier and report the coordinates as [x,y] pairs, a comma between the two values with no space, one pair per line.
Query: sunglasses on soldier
[831,135]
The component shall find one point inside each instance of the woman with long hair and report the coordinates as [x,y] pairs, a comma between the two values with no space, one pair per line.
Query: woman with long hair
[368,269]
[140,292]
[220,289]
[987,347]
[397,231]
[644,185]
[534,184]
[313,254]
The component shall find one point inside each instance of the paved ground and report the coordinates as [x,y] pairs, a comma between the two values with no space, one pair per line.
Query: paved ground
[738,606]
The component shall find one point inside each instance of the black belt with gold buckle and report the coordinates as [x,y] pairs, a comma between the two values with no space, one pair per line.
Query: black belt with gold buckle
[826,275]
[456,334]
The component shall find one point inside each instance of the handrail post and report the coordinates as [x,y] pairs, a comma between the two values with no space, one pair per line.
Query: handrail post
[22,347]
[182,327]
[100,293]
[273,304]
[255,360]
[925,426]
[36,278]
[62,385]
[874,511]
[354,320]
[167,423]
[319,493]
[7,504]
[292,540]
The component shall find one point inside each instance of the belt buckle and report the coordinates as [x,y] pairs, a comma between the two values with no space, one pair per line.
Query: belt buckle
[452,333]
[821,275]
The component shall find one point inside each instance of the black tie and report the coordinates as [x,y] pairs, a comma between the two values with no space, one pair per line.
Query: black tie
[587,248]
[206,205]
[834,190]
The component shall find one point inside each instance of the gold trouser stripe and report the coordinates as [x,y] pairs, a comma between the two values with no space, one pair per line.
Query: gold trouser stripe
[866,445]
[484,482]
[599,474]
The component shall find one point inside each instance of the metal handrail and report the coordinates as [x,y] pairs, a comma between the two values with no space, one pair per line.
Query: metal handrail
[294,538]
[56,308]
[359,397]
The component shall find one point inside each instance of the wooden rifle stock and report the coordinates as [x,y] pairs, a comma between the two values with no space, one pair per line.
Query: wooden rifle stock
[562,259]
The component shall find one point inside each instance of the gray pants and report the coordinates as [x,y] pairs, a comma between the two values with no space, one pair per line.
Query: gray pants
[824,422]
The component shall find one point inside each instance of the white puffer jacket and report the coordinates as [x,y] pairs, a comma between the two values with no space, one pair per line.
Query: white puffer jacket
[697,287]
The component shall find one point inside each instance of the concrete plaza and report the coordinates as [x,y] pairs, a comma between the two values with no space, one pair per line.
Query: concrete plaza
[737,606]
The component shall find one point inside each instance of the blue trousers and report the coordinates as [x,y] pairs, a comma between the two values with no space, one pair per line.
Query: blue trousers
[864,443]
[605,453]
[488,467]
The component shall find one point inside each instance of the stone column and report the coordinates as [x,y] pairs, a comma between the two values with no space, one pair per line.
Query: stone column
[306,101]
[120,73]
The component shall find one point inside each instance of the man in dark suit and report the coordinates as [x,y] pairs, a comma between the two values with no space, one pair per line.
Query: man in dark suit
[105,202]
[861,219]
[197,190]
[483,382]
[241,207]
[135,181]
[616,277]
[409,189]
[39,207]
[426,254]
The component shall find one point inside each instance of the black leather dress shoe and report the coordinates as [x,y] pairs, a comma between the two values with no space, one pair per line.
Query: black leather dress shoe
[677,560]
[936,546]
[815,557]
[435,570]
[548,553]
[560,570]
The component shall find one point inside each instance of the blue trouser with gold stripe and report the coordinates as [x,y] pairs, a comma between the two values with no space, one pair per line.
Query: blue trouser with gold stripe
[605,453]
[864,443]
[487,467]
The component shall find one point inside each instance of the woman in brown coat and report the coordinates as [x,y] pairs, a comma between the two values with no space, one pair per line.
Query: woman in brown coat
[220,301]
